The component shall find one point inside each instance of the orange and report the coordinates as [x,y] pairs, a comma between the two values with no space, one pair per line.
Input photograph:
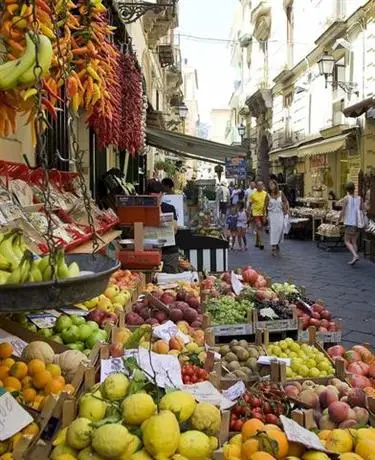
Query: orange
[6,350]
[41,378]
[269,427]
[15,439]
[12,383]
[19,370]
[9,362]
[249,448]
[4,371]
[251,427]
[54,386]
[38,401]
[27,382]
[32,429]
[29,395]
[296,449]
[261,456]
[61,379]
[281,450]
[68,388]
[54,369]
[36,365]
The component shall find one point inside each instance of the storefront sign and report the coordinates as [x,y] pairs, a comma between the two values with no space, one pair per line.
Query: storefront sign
[236,168]
[318,161]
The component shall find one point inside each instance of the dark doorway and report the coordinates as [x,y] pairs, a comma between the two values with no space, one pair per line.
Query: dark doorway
[263,161]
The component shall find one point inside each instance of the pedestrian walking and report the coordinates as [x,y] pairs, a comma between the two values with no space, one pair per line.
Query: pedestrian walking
[224,199]
[232,227]
[353,218]
[242,219]
[248,192]
[235,197]
[258,199]
[276,208]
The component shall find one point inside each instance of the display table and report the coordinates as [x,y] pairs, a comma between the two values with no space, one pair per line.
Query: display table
[203,252]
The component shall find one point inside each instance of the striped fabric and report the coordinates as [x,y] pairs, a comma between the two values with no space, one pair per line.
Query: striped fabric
[211,260]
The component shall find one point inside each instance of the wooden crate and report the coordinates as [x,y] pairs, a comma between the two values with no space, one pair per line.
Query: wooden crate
[323,337]
[276,325]
[229,330]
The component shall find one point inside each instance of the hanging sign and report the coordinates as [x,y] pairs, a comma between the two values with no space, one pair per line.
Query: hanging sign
[318,161]
[236,168]
[13,418]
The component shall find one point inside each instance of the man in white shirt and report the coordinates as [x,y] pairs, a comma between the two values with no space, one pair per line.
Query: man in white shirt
[224,199]
[248,192]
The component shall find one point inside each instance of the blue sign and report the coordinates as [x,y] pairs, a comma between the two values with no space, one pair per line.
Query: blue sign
[236,168]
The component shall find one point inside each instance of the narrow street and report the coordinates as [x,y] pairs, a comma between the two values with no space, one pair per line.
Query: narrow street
[347,291]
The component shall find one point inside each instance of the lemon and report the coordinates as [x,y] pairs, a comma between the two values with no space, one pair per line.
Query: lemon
[181,403]
[92,407]
[141,455]
[194,445]
[62,449]
[161,444]
[137,408]
[110,440]
[89,454]
[78,435]
[115,387]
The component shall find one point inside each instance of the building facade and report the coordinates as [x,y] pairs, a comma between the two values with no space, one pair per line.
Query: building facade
[300,121]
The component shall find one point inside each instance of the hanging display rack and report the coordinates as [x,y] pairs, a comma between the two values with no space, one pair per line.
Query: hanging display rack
[95,269]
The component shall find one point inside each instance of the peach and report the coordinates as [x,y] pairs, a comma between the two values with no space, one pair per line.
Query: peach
[361,415]
[327,397]
[291,391]
[176,343]
[338,411]
[161,347]
[309,397]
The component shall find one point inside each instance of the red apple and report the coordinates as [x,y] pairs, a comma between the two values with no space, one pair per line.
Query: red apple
[325,314]
[315,315]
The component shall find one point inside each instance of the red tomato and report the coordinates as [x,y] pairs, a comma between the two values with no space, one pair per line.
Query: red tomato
[237,425]
[194,379]
[188,370]
[187,380]
[202,373]
[254,401]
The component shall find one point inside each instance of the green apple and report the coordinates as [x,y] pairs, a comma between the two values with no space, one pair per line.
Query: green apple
[93,325]
[46,332]
[76,346]
[85,331]
[103,334]
[63,322]
[57,338]
[96,337]
[21,318]
[70,335]
[77,320]
[32,328]
[87,352]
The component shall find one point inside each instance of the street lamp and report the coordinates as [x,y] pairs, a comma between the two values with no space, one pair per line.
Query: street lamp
[326,66]
[182,113]
[241,131]
[130,11]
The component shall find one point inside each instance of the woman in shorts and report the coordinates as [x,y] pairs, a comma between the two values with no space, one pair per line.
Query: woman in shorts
[242,219]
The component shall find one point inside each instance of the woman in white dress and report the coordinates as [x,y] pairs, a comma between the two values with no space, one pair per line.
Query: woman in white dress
[276,207]
[352,206]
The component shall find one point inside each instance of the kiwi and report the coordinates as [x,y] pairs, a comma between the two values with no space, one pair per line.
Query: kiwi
[229,357]
[233,366]
[224,349]
[251,363]
[240,374]
[242,354]
[243,343]
[233,343]
[253,352]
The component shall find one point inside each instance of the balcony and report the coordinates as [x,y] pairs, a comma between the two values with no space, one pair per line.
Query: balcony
[174,72]
[157,25]
[166,50]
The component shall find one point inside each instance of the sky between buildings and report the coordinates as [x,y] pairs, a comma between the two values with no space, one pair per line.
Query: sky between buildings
[208,18]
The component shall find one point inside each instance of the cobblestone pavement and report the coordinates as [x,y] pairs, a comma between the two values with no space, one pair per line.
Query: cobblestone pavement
[348,291]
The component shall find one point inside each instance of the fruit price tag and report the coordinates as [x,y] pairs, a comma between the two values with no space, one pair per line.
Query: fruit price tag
[17,343]
[206,392]
[110,366]
[235,329]
[75,311]
[13,418]
[164,369]
[296,433]
[235,391]
[266,360]
[237,286]
[43,320]
[169,330]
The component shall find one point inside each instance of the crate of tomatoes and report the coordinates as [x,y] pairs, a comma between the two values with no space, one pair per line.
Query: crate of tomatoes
[193,374]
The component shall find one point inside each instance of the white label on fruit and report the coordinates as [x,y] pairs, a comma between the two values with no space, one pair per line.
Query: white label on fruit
[237,286]
[75,311]
[206,392]
[164,369]
[235,391]
[296,433]
[17,343]
[266,360]
[13,418]
[268,313]
[54,313]
[169,330]
[43,320]
[110,366]
[217,356]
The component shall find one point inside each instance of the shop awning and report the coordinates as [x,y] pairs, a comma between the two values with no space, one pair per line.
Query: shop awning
[283,153]
[192,147]
[325,146]
[356,110]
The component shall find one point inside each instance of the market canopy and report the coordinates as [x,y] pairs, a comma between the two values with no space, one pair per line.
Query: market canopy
[192,147]
[332,144]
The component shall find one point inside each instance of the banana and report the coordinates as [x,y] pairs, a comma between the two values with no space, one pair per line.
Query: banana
[6,250]
[35,273]
[9,79]
[61,267]
[44,60]
[26,265]
[73,270]
[15,276]
[47,274]
[5,265]
[16,245]
[3,277]
[42,263]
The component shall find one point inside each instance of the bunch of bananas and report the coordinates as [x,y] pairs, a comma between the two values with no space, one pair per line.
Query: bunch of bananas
[18,265]
[22,71]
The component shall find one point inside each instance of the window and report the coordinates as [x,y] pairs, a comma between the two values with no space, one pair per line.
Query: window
[157,100]
[288,133]
[338,76]
[289,34]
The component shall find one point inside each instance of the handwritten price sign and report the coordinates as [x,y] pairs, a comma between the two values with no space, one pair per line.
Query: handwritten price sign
[13,418]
